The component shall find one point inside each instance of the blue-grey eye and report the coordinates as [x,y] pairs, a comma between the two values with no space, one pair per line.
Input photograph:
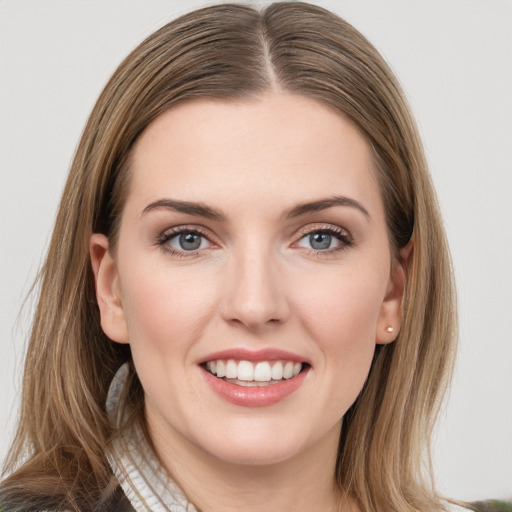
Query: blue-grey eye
[320,241]
[188,241]
[325,239]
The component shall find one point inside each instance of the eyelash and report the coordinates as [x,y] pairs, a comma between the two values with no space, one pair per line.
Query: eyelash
[168,235]
[340,234]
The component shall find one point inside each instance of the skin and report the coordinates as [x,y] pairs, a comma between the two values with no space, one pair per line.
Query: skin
[254,283]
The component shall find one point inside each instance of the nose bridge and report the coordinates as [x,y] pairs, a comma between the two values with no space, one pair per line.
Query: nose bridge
[255,295]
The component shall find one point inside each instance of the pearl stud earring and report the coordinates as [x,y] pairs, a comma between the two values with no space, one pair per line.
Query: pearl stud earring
[390,329]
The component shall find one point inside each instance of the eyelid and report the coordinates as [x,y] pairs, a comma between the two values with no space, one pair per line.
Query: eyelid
[169,233]
[342,234]
[329,228]
[192,228]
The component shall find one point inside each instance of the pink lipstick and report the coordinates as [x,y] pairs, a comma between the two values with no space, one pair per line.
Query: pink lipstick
[254,378]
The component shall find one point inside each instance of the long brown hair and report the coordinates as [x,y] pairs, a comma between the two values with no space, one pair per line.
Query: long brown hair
[231,52]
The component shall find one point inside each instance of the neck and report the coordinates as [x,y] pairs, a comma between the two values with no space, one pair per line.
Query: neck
[301,483]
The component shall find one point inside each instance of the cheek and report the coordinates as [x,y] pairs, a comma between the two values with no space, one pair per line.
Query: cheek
[345,305]
[343,326]
[341,317]
[164,310]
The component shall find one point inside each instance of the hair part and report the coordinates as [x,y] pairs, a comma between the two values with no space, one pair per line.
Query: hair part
[236,53]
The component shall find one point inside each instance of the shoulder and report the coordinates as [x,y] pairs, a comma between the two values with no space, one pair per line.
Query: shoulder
[118,502]
[491,506]
[483,506]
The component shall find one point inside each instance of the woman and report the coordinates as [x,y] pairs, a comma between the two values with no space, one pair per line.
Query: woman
[247,300]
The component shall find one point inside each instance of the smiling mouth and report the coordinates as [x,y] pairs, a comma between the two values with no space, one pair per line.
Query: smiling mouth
[248,373]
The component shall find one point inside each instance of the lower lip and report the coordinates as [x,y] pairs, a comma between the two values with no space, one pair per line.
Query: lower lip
[254,396]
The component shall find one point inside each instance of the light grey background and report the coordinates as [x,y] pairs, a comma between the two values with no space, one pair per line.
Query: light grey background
[454,59]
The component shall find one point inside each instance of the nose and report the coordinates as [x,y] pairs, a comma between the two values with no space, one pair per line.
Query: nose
[254,292]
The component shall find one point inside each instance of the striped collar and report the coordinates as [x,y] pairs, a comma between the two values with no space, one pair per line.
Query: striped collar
[144,481]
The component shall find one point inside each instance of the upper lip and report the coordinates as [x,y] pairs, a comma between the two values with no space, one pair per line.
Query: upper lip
[266,354]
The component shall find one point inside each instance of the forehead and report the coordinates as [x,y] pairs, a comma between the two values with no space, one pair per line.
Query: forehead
[278,147]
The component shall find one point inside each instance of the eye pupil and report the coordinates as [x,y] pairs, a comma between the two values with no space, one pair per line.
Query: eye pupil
[190,241]
[320,240]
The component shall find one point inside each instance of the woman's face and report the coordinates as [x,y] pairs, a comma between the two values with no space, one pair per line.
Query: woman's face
[252,277]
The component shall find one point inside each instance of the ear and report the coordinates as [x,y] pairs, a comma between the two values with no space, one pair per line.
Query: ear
[388,324]
[108,293]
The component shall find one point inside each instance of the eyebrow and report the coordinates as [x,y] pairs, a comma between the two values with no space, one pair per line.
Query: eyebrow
[203,210]
[323,204]
[198,209]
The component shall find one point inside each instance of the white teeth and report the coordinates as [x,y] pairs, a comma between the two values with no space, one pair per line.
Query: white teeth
[249,383]
[246,371]
[288,370]
[221,369]
[262,372]
[277,371]
[231,369]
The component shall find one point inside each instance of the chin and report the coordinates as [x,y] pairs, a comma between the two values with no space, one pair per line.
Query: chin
[260,445]
[255,455]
